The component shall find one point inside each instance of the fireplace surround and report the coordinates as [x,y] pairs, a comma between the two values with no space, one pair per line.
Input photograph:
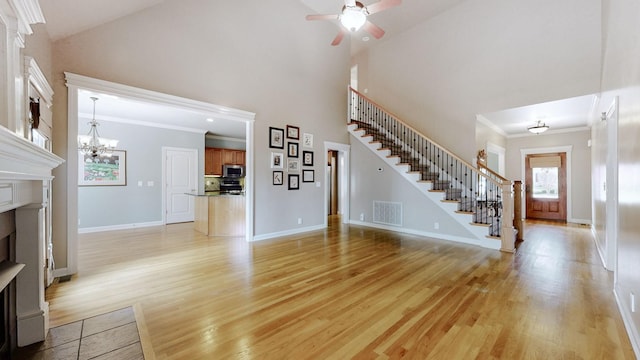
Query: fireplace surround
[25,173]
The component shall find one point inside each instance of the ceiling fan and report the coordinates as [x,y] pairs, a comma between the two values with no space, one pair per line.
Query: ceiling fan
[353,16]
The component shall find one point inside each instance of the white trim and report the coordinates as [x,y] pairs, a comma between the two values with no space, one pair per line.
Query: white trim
[554,149]
[28,12]
[77,82]
[216,111]
[487,243]
[287,233]
[344,154]
[612,224]
[579,221]
[249,181]
[119,227]
[120,120]
[35,76]
[629,325]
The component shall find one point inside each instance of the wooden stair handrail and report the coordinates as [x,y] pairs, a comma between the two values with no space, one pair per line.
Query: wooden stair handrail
[426,137]
[483,166]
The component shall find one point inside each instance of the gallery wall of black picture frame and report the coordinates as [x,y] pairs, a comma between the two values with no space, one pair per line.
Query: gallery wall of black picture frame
[294,182]
[276,138]
[307,158]
[291,161]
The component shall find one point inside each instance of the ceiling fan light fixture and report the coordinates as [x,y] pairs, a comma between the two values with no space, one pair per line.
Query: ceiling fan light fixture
[539,128]
[353,17]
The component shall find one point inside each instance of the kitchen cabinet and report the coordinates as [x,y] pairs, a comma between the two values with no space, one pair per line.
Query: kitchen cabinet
[214,158]
[213,161]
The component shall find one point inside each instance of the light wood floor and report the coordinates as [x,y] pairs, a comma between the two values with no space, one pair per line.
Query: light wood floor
[351,292]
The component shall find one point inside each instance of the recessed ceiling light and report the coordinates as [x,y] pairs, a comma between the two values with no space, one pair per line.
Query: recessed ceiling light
[365,38]
[209,119]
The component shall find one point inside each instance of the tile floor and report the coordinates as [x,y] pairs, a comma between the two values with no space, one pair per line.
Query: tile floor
[109,336]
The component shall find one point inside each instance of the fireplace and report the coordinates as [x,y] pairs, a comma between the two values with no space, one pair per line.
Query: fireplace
[25,173]
[7,293]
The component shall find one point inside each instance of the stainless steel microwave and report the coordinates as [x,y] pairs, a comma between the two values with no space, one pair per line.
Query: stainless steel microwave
[233,171]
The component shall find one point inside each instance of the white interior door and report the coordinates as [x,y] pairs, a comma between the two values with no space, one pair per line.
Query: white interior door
[181,174]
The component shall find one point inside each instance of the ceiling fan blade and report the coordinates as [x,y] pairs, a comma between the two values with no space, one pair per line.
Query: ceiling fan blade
[339,37]
[382,5]
[322,17]
[373,29]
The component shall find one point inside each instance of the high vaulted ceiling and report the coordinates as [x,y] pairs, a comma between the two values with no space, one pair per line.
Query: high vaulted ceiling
[67,17]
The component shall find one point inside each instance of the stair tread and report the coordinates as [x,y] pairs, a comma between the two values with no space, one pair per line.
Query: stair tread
[480,224]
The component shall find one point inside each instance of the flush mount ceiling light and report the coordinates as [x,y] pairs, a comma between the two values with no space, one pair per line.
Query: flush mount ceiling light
[92,144]
[539,128]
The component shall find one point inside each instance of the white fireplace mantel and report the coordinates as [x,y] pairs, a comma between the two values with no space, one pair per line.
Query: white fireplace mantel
[24,171]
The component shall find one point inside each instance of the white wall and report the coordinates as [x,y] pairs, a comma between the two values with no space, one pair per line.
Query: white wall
[483,56]
[580,205]
[270,61]
[621,77]
[133,204]
[369,184]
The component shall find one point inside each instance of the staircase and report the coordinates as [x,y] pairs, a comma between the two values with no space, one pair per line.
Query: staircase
[477,198]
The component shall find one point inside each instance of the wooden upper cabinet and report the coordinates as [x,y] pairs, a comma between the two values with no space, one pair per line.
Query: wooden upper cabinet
[214,158]
[213,161]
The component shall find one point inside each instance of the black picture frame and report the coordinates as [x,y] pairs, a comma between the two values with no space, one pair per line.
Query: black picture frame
[292,149]
[307,158]
[308,176]
[293,132]
[294,182]
[278,178]
[276,138]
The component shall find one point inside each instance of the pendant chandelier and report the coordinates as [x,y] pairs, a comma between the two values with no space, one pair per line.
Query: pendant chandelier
[92,144]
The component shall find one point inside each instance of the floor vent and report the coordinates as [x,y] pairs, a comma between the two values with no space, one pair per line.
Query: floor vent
[388,213]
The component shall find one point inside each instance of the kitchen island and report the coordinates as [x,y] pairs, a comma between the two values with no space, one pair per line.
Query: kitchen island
[220,214]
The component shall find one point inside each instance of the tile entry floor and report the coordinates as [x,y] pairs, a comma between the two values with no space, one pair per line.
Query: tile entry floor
[112,335]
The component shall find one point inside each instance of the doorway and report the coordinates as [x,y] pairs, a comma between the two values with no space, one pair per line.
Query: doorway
[546,186]
[336,177]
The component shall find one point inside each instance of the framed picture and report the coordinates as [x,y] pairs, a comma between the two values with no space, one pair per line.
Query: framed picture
[277,160]
[103,170]
[307,158]
[294,181]
[308,176]
[293,149]
[293,165]
[278,177]
[276,138]
[307,140]
[293,132]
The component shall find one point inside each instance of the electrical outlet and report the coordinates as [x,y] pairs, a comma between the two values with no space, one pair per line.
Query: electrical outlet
[362,217]
[299,221]
[436,226]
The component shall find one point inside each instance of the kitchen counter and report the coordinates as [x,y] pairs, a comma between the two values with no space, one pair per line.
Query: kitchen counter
[217,193]
[219,213]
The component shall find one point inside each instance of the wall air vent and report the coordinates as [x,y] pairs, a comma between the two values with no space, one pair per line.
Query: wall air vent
[387,213]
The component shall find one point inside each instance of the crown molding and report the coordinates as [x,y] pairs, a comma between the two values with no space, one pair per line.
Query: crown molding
[28,13]
[215,111]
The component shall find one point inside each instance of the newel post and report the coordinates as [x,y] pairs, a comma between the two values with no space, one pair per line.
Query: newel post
[517,211]
[507,232]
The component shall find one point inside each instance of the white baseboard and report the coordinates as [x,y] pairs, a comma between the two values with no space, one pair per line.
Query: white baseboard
[579,221]
[119,227]
[287,232]
[61,272]
[627,319]
[485,243]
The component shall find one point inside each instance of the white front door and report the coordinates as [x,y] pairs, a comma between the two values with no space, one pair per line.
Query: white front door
[181,173]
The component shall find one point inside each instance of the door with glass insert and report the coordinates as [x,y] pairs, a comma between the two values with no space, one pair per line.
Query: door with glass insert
[546,186]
